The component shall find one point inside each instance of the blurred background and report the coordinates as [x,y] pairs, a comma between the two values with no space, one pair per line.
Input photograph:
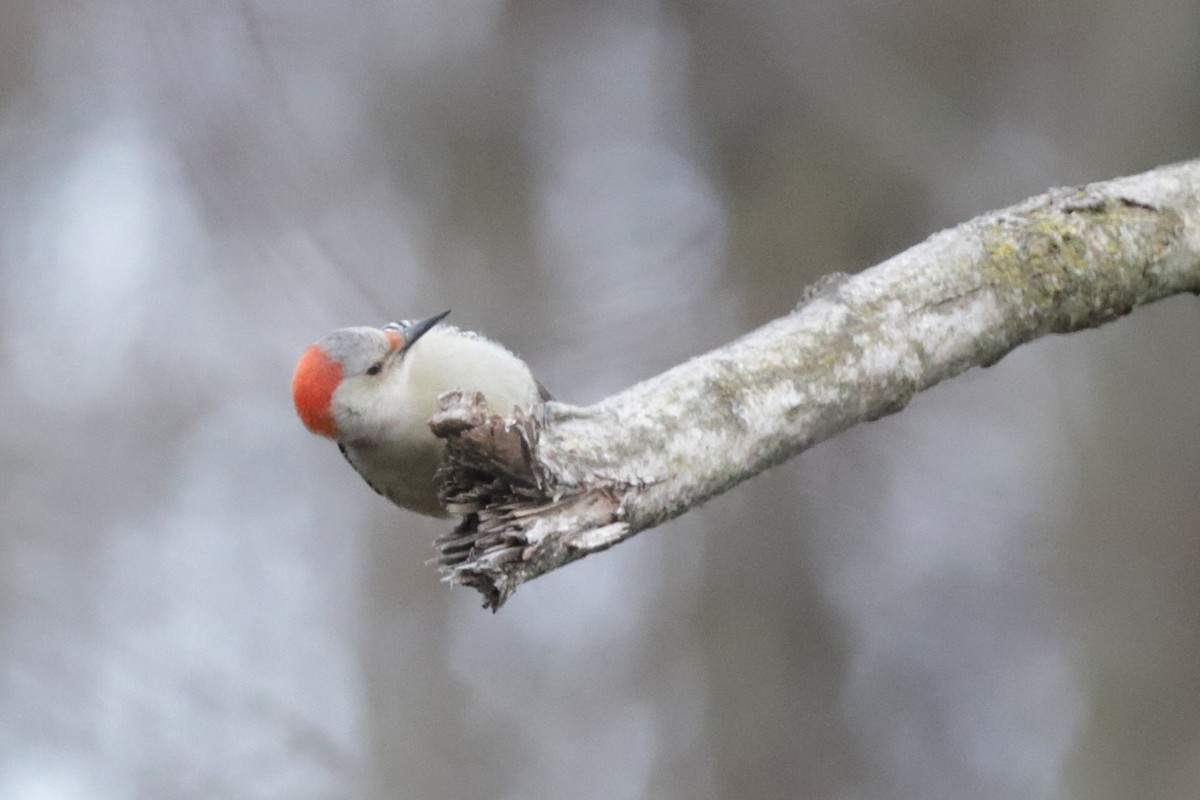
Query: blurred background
[993,594]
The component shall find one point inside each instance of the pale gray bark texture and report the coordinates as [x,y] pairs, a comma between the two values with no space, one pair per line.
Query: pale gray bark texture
[554,485]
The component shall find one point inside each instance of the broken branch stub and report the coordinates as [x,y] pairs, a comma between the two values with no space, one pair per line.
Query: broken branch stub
[517,517]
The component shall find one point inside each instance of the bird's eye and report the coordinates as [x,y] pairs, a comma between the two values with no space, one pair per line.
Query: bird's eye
[375,368]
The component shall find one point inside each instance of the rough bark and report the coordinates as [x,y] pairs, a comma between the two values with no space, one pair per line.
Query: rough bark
[551,485]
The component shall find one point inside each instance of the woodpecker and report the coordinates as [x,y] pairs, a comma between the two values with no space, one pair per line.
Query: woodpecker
[373,390]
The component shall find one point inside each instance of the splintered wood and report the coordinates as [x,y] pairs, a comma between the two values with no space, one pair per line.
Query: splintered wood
[513,514]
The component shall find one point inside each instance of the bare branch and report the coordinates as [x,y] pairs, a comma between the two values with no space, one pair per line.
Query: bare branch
[552,485]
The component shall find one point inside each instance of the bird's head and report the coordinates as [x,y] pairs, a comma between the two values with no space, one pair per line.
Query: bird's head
[336,374]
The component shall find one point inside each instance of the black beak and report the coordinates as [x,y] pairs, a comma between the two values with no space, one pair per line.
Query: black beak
[415,330]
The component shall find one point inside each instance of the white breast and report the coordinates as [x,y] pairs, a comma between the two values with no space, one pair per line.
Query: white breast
[401,456]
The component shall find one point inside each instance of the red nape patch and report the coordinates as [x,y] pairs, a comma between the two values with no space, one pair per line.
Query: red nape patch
[312,390]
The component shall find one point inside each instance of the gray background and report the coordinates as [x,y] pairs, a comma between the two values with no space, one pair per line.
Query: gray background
[991,595]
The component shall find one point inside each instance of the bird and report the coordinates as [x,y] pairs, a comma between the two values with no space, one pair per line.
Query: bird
[373,391]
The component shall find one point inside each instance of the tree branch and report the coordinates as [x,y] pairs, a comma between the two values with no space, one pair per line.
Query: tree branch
[552,485]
